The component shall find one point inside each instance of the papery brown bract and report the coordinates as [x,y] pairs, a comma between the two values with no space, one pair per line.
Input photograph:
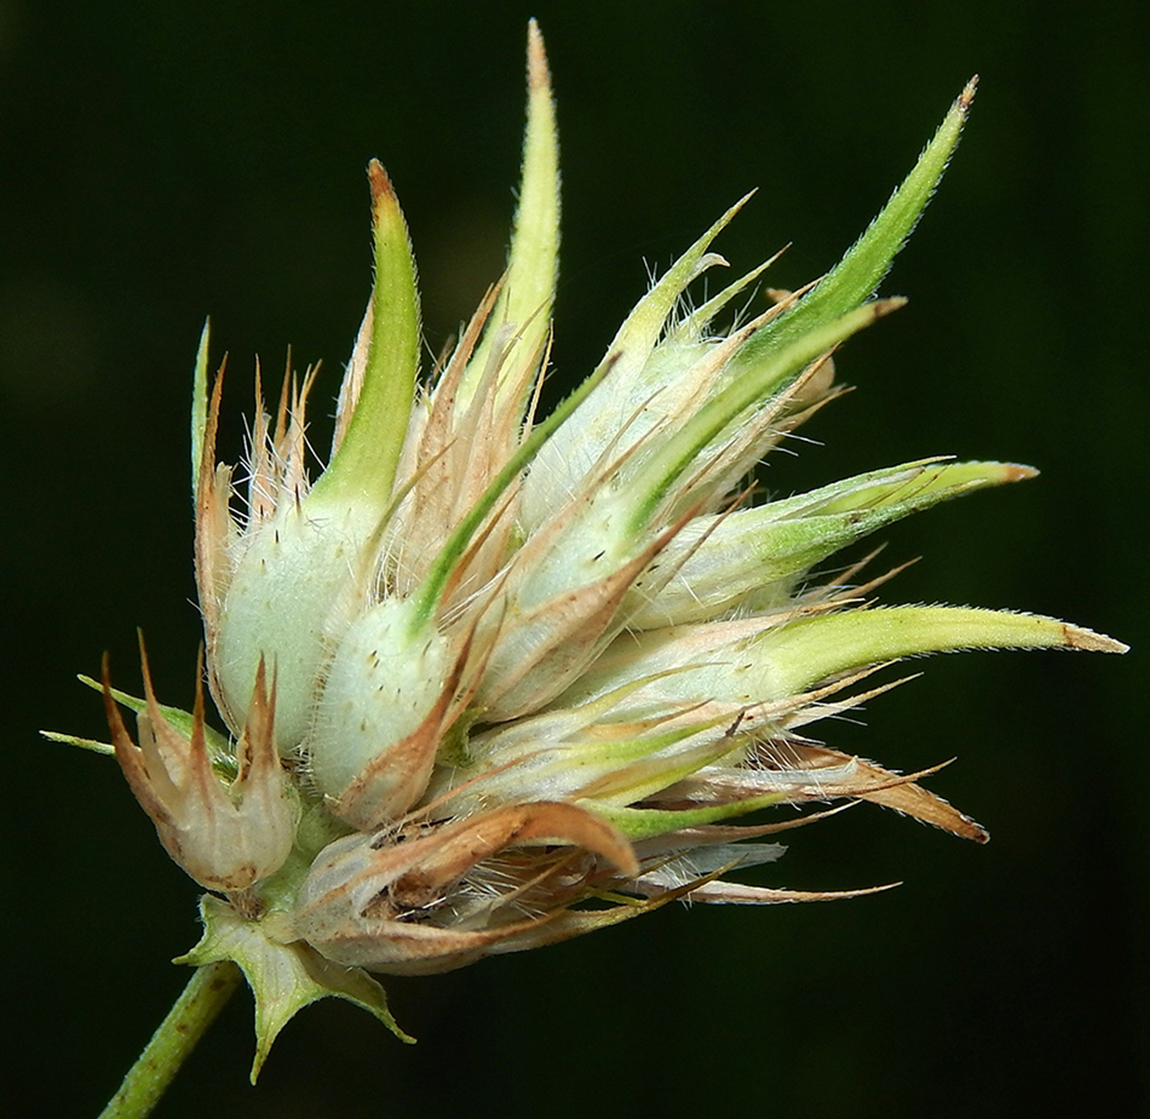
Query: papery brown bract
[227,834]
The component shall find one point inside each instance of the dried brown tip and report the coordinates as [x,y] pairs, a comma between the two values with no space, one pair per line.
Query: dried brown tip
[1016,472]
[115,720]
[967,95]
[1076,637]
[380,184]
[884,307]
[538,74]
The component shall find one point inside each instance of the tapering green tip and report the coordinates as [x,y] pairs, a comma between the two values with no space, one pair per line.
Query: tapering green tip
[806,652]
[363,468]
[857,276]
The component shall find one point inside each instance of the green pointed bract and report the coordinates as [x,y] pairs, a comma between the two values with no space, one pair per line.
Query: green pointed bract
[692,328]
[800,654]
[604,762]
[634,378]
[309,554]
[529,287]
[899,490]
[747,662]
[674,456]
[284,978]
[199,408]
[648,823]
[722,559]
[859,273]
[619,522]
[220,750]
[637,337]
[363,467]
[93,745]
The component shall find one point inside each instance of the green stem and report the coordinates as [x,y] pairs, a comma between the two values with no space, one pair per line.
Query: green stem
[194,1011]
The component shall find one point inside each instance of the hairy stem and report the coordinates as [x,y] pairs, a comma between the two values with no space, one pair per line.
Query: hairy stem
[194,1011]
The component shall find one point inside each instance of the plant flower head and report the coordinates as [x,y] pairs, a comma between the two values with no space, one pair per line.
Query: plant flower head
[493,680]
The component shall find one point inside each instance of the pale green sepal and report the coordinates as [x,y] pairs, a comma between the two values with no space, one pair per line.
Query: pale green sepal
[593,764]
[802,653]
[641,329]
[310,562]
[529,287]
[511,742]
[363,468]
[91,744]
[692,328]
[220,750]
[382,683]
[608,418]
[431,590]
[659,471]
[647,823]
[650,776]
[760,552]
[900,490]
[199,409]
[284,978]
[861,270]
[317,828]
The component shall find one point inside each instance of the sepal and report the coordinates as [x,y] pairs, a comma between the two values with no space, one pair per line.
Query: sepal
[227,836]
[798,655]
[379,720]
[284,977]
[865,264]
[402,903]
[751,558]
[526,297]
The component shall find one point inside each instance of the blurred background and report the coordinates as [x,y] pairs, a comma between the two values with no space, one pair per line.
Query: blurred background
[163,161]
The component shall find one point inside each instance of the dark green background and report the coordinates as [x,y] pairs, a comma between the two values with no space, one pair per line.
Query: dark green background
[160,161]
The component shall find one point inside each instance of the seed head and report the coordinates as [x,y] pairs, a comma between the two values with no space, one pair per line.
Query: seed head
[528,672]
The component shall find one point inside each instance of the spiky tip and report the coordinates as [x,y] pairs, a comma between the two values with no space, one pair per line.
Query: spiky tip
[967,96]
[381,187]
[1078,637]
[538,74]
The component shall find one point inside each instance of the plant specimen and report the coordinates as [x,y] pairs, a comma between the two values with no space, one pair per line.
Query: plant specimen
[493,680]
